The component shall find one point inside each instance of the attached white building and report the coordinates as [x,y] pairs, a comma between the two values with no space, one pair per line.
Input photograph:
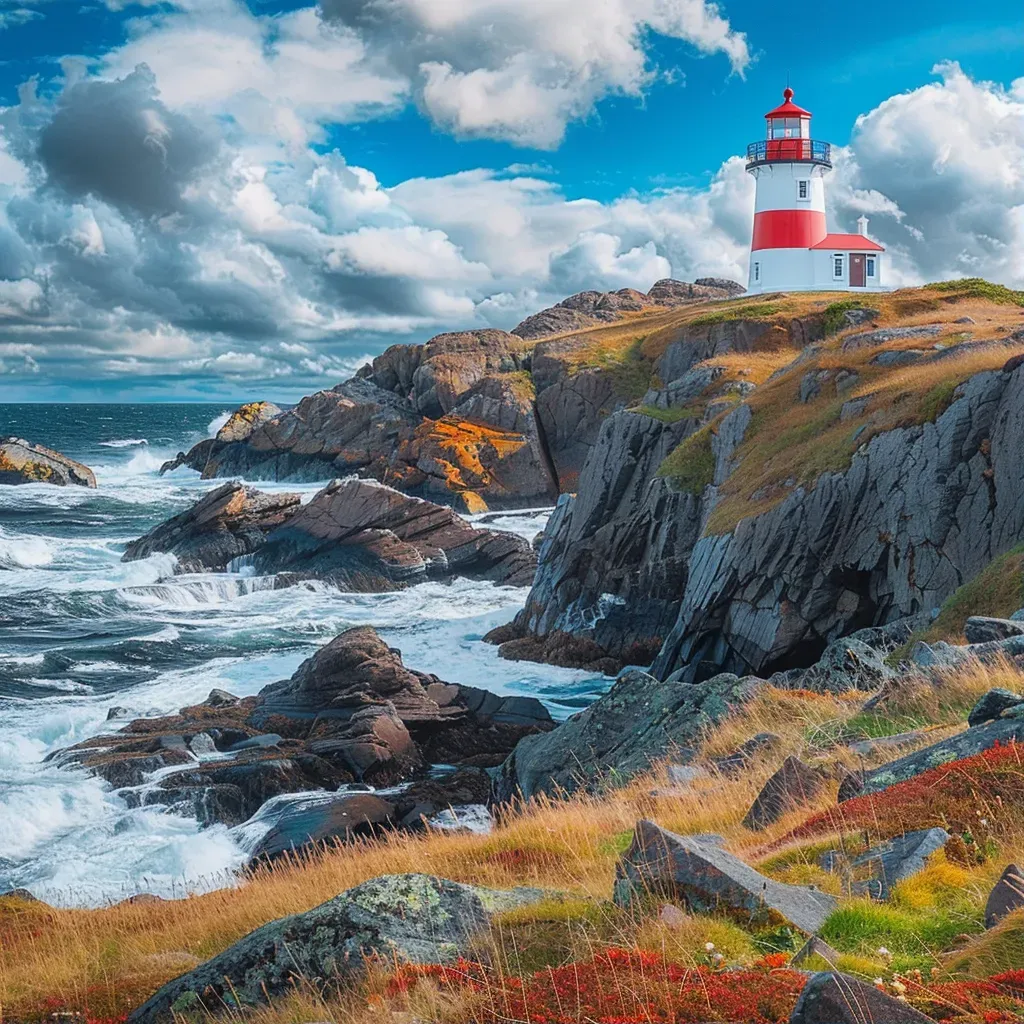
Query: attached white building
[792,249]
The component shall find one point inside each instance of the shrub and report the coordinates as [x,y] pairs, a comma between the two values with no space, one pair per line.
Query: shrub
[979,288]
[833,316]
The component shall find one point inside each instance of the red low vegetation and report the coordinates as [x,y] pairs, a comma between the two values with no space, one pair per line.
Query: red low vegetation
[619,986]
[981,795]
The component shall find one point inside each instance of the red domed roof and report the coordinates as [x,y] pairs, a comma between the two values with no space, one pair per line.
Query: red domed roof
[788,108]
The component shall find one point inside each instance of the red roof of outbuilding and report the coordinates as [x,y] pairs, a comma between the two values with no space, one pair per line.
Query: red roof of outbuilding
[788,108]
[848,242]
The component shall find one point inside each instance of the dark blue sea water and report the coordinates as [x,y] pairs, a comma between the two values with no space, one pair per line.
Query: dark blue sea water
[81,631]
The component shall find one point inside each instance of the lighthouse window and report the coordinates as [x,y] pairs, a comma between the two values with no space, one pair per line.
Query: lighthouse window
[871,266]
[803,189]
[757,271]
[837,265]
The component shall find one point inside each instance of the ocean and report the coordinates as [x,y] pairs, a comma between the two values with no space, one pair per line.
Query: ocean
[80,632]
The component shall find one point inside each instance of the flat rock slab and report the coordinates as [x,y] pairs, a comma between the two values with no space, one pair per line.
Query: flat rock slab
[964,744]
[408,918]
[899,858]
[705,878]
[981,629]
[834,998]
[22,462]
[1007,895]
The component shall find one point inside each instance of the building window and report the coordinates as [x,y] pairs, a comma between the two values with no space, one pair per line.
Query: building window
[837,266]
[871,266]
[757,271]
[803,189]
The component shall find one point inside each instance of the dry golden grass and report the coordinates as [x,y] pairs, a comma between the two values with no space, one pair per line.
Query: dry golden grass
[112,958]
[791,443]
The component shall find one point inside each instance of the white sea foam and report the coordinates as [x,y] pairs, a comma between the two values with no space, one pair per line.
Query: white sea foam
[216,423]
[127,442]
[24,551]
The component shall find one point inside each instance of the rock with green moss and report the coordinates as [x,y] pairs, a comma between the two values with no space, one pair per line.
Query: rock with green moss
[965,744]
[22,462]
[405,918]
[638,722]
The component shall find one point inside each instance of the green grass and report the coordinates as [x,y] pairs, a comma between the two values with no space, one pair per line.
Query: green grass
[937,401]
[691,464]
[865,725]
[833,315]
[755,311]
[522,384]
[979,288]
[913,937]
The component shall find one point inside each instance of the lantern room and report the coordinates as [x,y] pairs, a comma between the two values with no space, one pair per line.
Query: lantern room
[788,138]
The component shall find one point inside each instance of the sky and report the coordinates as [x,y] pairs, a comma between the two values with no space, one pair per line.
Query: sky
[235,199]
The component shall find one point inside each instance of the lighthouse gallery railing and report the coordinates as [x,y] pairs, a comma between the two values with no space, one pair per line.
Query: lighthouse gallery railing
[772,151]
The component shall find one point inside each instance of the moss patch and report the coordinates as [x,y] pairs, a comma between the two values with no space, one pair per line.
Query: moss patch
[979,288]
[691,464]
[753,311]
[833,316]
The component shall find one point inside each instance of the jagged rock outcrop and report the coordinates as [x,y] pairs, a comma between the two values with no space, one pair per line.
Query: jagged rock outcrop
[351,712]
[356,533]
[707,879]
[394,918]
[614,557]
[919,510]
[22,462]
[582,310]
[622,734]
[229,522]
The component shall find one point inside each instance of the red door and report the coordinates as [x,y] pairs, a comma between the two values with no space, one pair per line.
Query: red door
[857,278]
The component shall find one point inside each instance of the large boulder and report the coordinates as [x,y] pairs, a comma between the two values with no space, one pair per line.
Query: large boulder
[707,879]
[359,532]
[833,998]
[638,722]
[994,704]
[982,629]
[395,918]
[229,522]
[22,462]
[351,712]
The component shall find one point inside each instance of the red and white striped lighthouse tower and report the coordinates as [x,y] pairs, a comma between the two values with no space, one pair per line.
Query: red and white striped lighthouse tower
[792,249]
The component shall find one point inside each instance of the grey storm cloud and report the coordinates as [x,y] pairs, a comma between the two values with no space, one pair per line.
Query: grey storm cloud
[119,142]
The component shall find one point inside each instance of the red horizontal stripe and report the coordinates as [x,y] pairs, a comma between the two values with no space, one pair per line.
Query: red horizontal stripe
[788,229]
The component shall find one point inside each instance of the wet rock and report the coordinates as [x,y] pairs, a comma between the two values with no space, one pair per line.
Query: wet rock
[270,739]
[792,787]
[361,533]
[201,744]
[991,705]
[229,522]
[396,918]
[22,462]
[1006,896]
[899,858]
[759,746]
[304,822]
[638,722]
[117,712]
[834,998]
[980,629]
[556,648]
[965,744]
[221,699]
[706,879]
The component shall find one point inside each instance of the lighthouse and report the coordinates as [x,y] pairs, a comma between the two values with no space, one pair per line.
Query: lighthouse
[792,249]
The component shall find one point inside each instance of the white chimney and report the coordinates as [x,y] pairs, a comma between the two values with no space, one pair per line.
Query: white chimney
[862,225]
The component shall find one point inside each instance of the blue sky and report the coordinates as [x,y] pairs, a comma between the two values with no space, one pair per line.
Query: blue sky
[367,194]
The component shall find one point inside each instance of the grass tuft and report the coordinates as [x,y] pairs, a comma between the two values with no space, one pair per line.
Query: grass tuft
[691,464]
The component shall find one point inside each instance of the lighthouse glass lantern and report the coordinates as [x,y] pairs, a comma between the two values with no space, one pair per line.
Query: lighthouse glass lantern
[792,249]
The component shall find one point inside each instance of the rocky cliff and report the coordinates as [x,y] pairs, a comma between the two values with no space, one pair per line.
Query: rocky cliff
[805,472]
[477,419]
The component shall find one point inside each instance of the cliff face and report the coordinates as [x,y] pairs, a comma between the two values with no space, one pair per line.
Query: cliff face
[476,419]
[743,517]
